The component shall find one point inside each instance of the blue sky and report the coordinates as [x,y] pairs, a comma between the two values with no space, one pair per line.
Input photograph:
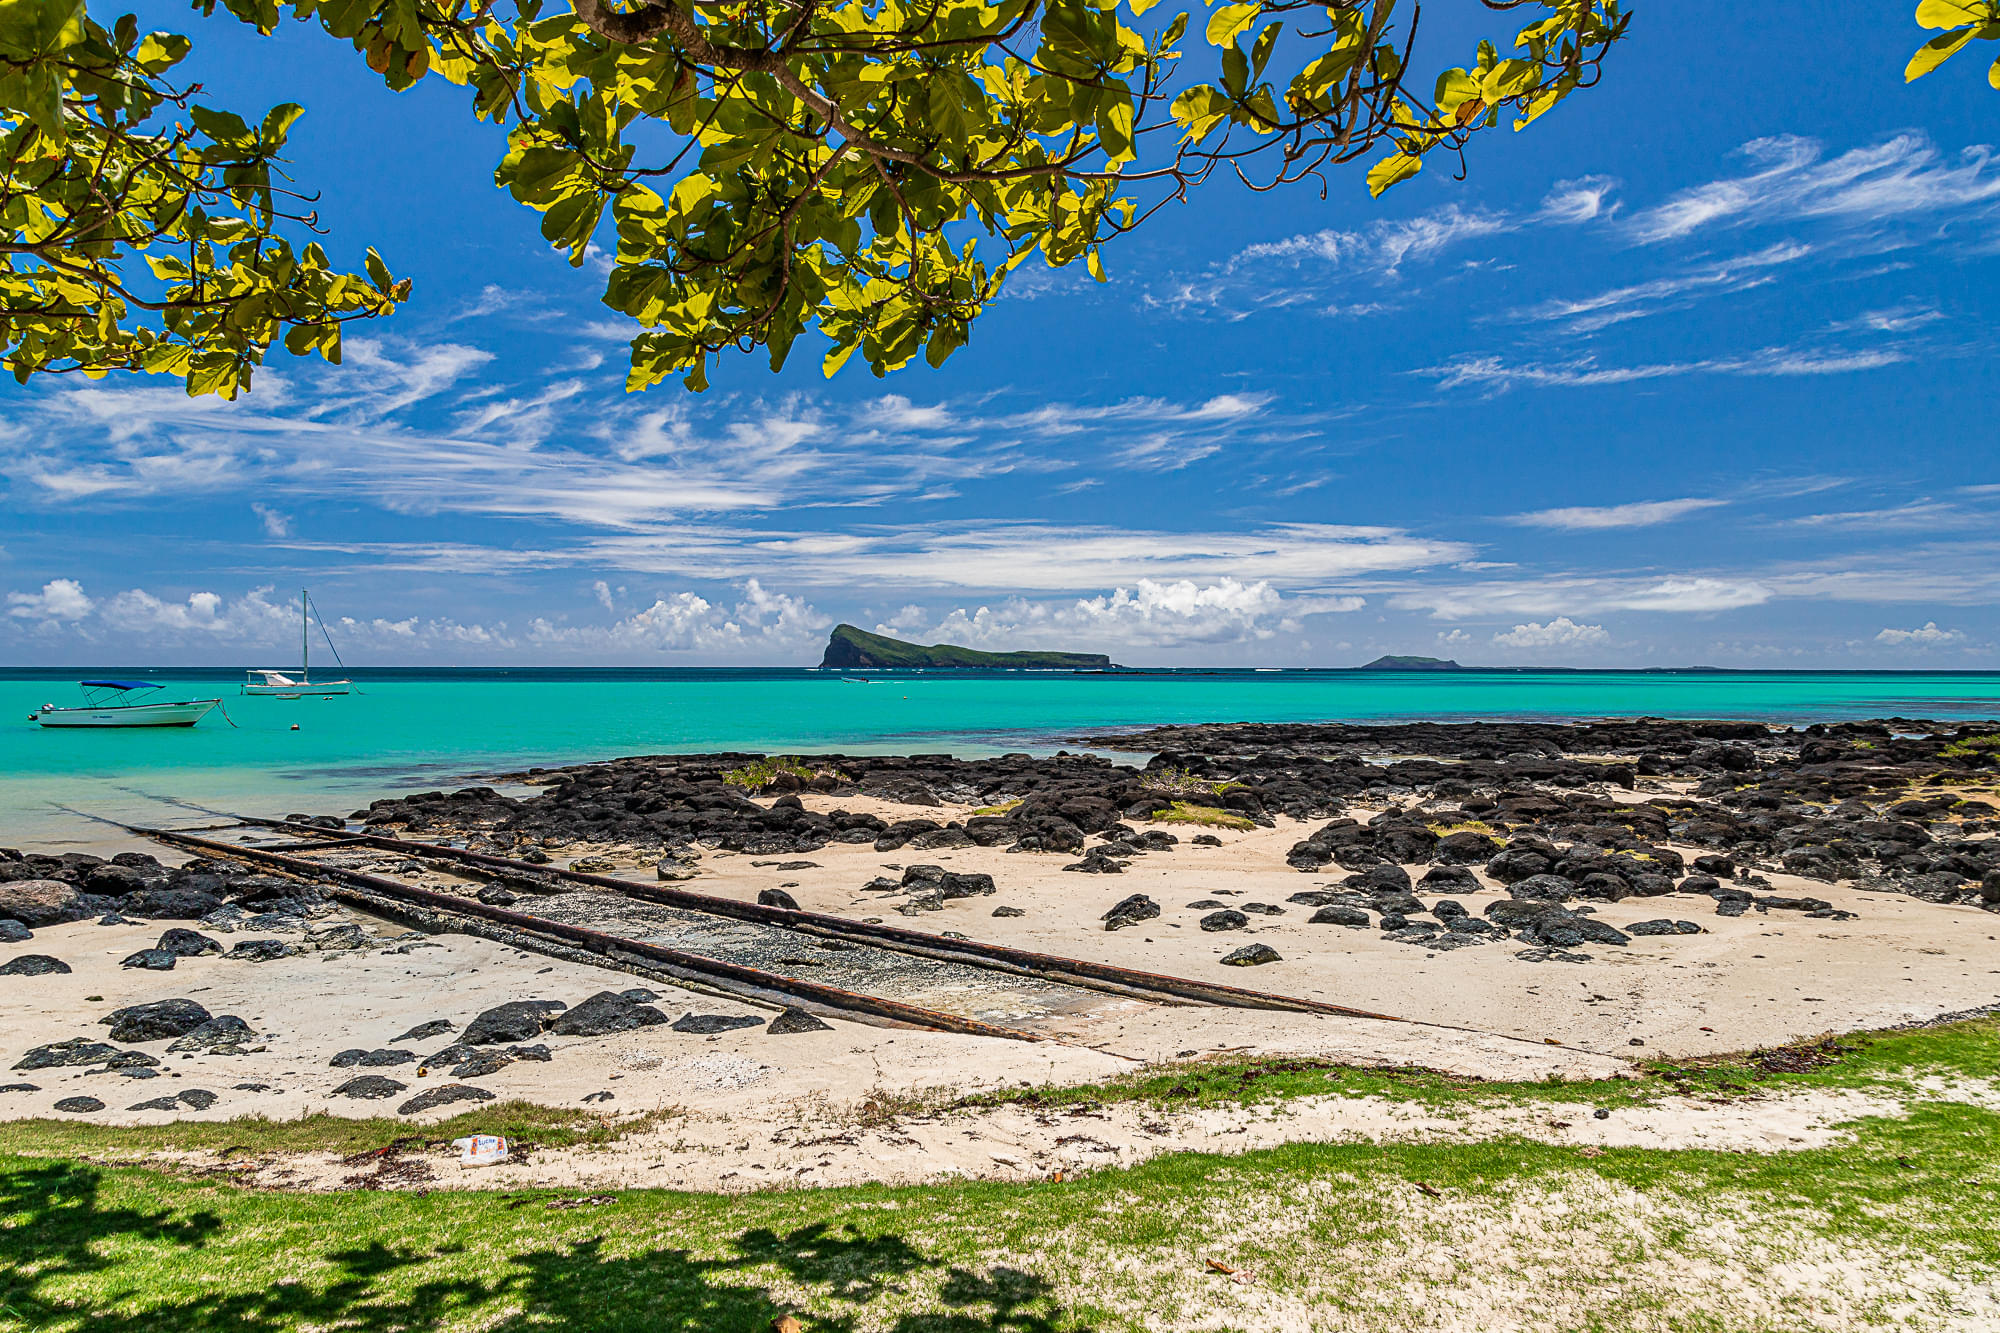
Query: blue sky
[1696,370]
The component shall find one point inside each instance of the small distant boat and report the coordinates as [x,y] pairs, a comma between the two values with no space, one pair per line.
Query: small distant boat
[101,711]
[263,680]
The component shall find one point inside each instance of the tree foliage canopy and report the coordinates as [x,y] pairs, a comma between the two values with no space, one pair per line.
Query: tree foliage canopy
[1960,21]
[874,168]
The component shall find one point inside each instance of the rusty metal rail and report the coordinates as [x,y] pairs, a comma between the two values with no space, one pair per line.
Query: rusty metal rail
[713,971]
[1081,972]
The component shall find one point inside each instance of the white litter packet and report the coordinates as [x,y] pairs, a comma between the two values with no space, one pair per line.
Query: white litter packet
[480,1150]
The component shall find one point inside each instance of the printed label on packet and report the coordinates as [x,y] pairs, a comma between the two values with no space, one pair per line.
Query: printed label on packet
[480,1150]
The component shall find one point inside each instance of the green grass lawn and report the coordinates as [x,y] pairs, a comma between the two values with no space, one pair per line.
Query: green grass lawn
[1896,1227]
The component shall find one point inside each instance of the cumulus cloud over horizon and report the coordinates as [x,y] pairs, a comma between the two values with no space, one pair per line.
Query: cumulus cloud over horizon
[1927,635]
[1562,632]
[1150,613]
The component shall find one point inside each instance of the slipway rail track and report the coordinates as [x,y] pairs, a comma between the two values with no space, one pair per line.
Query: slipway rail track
[1045,976]
[733,978]
[1021,962]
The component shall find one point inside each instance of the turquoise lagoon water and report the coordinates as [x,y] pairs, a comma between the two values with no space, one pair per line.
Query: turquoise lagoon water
[426,728]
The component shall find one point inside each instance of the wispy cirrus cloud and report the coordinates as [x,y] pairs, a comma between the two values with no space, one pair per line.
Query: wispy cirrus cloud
[1599,518]
[1901,177]
[1496,375]
[1314,265]
[1575,595]
[432,430]
[1923,514]
[1615,305]
[973,556]
[1906,318]
[1381,249]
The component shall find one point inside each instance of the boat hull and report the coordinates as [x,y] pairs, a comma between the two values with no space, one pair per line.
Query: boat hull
[301,688]
[184,714]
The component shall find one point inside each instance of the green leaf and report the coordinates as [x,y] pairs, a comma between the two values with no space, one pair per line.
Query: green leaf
[539,175]
[1935,52]
[1392,170]
[278,122]
[837,358]
[346,18]
[1114,129]
[1227,22]
[1951,13]
[1322,75]
[30,29]
[1260,51]
[225,127]
[161,51]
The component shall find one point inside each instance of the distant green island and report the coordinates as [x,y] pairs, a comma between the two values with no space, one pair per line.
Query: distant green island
[852,649]
[1394,663]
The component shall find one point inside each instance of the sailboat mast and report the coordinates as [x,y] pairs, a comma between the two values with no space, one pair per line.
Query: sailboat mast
[305,640]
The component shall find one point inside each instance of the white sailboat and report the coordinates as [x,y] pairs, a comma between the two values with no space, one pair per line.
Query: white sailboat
[100,711]
[263,680]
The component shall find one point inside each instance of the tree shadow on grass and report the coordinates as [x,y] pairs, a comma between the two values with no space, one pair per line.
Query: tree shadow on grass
[72,1258]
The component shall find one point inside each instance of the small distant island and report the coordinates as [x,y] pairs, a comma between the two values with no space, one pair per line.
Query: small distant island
[1394,663]
[852,649]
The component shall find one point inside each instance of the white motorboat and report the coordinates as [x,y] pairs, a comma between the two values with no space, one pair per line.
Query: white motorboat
[286,685]
[102,711]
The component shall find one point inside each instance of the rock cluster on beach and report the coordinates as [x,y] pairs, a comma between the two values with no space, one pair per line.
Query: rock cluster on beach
[40,890]
[1527,802]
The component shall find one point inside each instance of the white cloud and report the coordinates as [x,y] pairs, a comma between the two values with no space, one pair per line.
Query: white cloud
[1570,596]
[1379,252]
[59,599]
[909,618]
[762,625]
[276,524]
[1927,635]
[1002,557]
[1562,632]
[1638,300]
[1897,319]
[558,452]
[1692,595]
[1032,556]
[1639,514]
[1577,201]
[251,622]
[1381,249]
[138,611]
[602,591]
[1496,376]
[1900,177]
[1183,612]
[1919,515]
[1149,614]
[892,411]
[379,379]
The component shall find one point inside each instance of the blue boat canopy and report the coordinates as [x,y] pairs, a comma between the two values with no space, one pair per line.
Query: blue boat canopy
[118,685]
